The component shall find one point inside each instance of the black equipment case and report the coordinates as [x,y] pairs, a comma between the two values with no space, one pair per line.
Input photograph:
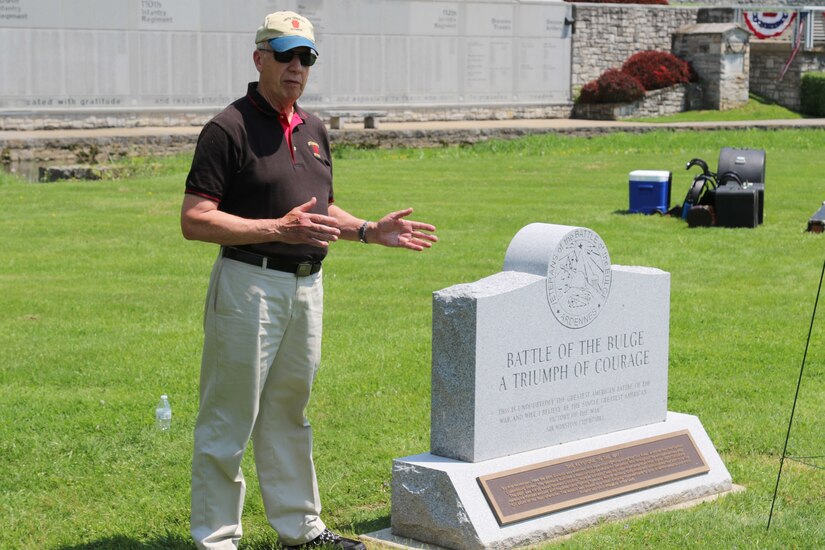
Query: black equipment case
[737,205]
[817,222]
[749,165]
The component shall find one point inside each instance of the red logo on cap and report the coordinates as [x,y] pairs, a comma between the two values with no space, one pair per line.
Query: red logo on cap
[296,24]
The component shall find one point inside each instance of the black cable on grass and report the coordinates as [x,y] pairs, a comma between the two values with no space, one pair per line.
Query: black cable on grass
[795,398]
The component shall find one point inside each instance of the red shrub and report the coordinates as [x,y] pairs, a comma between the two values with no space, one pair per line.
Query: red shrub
[613,86]
[656,70]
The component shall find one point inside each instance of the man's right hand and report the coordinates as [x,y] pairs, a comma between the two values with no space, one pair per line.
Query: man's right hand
[301,226]
[201,220]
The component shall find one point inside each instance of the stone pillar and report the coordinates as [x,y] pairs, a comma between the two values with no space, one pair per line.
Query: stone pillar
[720,55]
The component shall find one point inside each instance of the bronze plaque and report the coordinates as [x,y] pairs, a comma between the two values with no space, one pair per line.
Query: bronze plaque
[539,489]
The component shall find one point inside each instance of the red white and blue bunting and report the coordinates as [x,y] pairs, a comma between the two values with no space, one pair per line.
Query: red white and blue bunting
[769,24]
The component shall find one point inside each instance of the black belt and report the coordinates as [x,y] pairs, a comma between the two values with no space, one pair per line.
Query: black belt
[300,269]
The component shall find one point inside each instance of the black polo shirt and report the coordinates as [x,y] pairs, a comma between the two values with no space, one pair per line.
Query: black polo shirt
[242,162]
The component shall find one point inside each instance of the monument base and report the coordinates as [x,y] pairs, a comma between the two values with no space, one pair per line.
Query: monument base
[439,501]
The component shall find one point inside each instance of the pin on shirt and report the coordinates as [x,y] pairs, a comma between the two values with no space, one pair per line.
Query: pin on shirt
[316,149]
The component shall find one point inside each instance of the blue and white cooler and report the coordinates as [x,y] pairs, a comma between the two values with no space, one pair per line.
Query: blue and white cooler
[649,191]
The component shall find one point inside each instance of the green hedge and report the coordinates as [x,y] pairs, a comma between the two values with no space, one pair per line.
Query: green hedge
[812,94]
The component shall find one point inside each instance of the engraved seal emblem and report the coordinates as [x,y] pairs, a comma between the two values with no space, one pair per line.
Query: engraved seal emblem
[578,278]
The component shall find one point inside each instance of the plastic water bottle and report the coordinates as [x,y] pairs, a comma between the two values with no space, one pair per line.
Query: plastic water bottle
[163,414]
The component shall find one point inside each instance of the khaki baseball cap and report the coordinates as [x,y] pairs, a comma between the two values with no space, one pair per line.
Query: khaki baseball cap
[285,30]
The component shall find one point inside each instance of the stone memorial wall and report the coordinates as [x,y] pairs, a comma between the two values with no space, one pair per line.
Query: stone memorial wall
[633,28]
[767,60]
[116,55]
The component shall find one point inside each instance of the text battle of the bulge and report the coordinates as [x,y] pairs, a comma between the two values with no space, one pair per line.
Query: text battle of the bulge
[595,361]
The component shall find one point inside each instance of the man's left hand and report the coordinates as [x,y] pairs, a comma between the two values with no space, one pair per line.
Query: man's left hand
[396,231]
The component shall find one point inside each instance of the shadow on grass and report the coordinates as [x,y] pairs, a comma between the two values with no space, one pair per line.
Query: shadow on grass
[372,525]
[168,542]
[120,542]
[178,542]
[629,213]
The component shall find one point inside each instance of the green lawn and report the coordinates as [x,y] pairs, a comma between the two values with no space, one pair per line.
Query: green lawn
[101,305]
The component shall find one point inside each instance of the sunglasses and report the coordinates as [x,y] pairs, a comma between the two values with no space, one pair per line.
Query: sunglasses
[307,59]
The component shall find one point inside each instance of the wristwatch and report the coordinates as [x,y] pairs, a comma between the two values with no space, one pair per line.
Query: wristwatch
[362,232]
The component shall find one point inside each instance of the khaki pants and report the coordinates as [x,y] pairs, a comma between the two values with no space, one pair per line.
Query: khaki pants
[262,347]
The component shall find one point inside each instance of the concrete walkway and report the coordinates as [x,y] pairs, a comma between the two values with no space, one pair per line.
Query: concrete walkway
[562,124]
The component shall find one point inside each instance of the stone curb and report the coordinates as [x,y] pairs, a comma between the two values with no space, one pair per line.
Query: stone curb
[68,145]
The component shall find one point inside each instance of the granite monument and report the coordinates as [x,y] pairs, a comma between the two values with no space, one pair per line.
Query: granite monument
[549,402]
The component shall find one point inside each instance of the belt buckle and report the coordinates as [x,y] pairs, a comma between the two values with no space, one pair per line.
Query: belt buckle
[304,269]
